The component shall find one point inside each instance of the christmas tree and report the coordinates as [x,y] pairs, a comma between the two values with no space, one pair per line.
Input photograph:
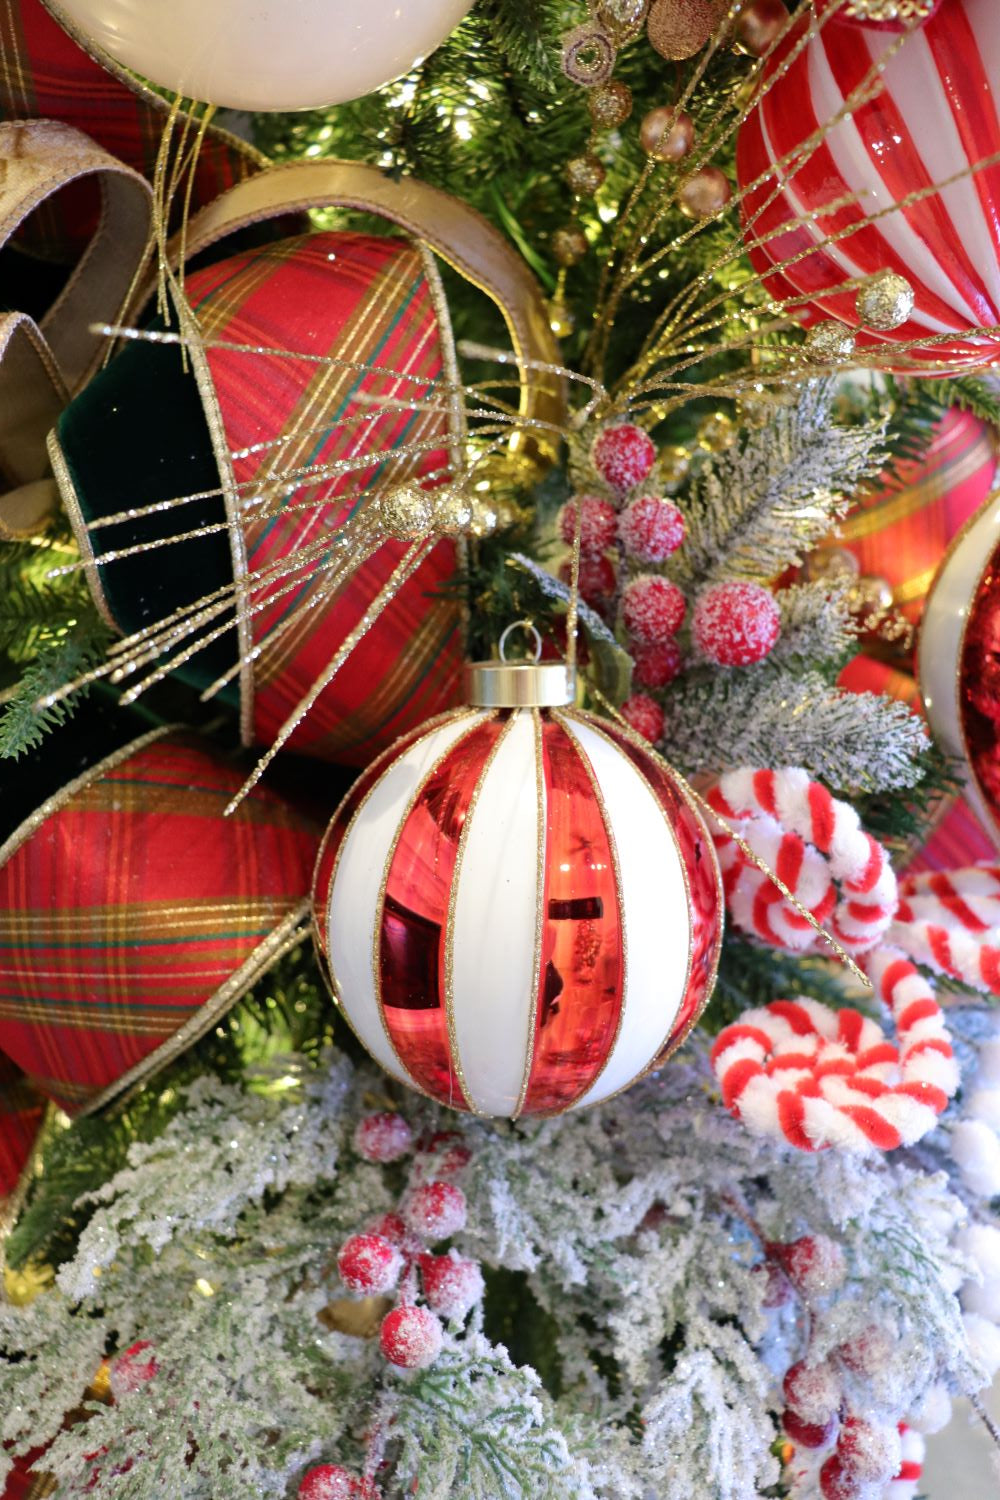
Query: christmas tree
[582,1081]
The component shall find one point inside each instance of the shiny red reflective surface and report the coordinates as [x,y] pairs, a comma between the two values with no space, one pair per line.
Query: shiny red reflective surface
[412,943]
[582,972]
[979,686]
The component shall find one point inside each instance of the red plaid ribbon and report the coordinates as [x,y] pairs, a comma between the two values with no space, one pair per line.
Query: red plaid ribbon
[21,1112]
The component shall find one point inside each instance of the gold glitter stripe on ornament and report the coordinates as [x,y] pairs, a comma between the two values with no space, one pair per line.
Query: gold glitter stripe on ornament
[876,11]
[540,856]
[449,931]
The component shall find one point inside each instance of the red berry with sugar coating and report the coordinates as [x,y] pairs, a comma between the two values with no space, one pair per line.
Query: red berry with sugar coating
[390,1227]
[736,624]
[452,1285]
[447,1151]
[436,1210]
[643,714]
[814,1264]
[808,1434]
[410,1337]
[598,524]
[657,665]
[132,1369]
[870,1452]
[623,456]
[652,609]
[836,1483]
[651,529]
[369,1264]
[813,1391]
[871,1353]
[597,580]
[383,1138]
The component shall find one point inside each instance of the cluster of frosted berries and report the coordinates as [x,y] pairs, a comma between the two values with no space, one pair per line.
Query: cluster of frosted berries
[843,1453]
[631,530]
[393,1257]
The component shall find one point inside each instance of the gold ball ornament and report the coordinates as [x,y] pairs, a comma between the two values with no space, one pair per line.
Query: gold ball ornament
[666,134]
[831,564]
[561,319]
[759,24]
[679,28]
[451,511]
[704,193]
[405,511]
[622,17]
[829,342]
[569,245]
[717,432]
[885,302]
[485,518]
[585,174]
[872,597]
[610,104]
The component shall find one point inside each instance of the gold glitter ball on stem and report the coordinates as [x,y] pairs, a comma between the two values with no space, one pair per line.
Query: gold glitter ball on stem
[405,511]
[610,104]
[585,174]
[569,245]
[758,24]
[829,342]
[829,564]
[485,519]
[704,193]
[666,134]
[679,28]
[452,511]
[885,302]
[561,319]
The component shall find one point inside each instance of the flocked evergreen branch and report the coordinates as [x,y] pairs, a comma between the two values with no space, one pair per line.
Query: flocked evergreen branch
[816,624]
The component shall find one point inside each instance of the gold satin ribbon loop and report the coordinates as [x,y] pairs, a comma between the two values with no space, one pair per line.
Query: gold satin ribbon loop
[32,394]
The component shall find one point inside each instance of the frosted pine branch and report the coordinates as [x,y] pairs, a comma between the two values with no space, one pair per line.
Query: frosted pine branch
[816,624]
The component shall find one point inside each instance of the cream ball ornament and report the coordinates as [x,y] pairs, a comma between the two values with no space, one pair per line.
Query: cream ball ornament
[244,54]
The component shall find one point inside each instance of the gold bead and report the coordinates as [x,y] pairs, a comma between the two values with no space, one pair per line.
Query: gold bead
[678,28]
[569,244]
[484,517]
[405,511]
[717,432]
[829,342]
[759,24]
[561,319]
[665,134]
[830,564]
[610,104]
[890,10]
[885,302]
[585,174]
[452,510]
[704,193]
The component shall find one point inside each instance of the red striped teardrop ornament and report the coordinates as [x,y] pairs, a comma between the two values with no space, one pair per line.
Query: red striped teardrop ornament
[519,912]
[820,199]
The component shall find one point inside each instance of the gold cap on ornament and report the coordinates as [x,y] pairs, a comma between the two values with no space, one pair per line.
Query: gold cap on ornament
[520,684]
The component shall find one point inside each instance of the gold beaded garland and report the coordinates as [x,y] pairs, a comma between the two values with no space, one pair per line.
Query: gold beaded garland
[484,517]
[610,104]
[452,511]
[704,193]
[666,134]
[885,302]
[585,174]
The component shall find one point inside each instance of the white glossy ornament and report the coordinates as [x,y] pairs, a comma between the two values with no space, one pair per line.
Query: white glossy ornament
[266,54]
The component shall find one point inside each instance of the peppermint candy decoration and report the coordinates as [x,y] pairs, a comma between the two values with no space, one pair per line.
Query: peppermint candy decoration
[799,1071]
[951,923]
[816,846]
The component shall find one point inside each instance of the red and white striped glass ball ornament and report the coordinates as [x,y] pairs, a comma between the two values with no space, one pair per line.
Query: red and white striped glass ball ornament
[519,912]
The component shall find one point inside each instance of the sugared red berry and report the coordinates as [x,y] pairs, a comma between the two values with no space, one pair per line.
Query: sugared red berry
[644,715]
[869,1452]
[383,1137]
[369,1264]
[452,1285]
[598,524]
[814,1264]
[436,1210]
[656,666]
[808,1434]
[391,1228]
[836,1483]
[132,1369]
[623,456]
[652,609]
[650,529]
[871,1353]
[448,1152]
[411,1337]
[813,1391]
[597,580]
[777,1287]
[736,624]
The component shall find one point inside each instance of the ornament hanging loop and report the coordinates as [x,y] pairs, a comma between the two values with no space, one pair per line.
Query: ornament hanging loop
[530,629]
[520,684]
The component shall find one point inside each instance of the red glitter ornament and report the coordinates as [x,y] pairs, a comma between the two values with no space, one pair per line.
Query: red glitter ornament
[436,1210]
[808,1434]
[656,665]
[132,1369]
[736,623]
[653,609]
[452,1285]
[410,1337]
[643,714]
[369,1264]
[651,529]
[383,1138]
[598,524]
[623,456]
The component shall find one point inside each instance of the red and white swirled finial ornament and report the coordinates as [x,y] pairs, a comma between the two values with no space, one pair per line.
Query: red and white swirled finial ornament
[816,846]
[801,1072]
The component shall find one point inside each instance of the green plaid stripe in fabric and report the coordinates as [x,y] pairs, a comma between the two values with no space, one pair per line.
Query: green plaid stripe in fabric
[367,300]
[131,906]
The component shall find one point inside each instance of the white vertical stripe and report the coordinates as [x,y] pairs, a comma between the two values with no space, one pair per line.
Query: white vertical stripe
[493,953]
[355,891]
[657,915]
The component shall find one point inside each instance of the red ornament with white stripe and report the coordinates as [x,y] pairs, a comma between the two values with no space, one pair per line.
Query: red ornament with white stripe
[935,118]
[519,911]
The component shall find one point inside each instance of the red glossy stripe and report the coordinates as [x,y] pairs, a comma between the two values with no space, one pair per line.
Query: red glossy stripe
[696,852]
[582,973]
[415,914]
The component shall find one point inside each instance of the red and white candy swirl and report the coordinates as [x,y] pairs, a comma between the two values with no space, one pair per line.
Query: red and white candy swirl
[951,923]
[816,846]
[799,1071]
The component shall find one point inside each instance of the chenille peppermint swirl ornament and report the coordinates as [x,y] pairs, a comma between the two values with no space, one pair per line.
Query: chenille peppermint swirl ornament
[816,846]
[801,1072]
[950,922]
